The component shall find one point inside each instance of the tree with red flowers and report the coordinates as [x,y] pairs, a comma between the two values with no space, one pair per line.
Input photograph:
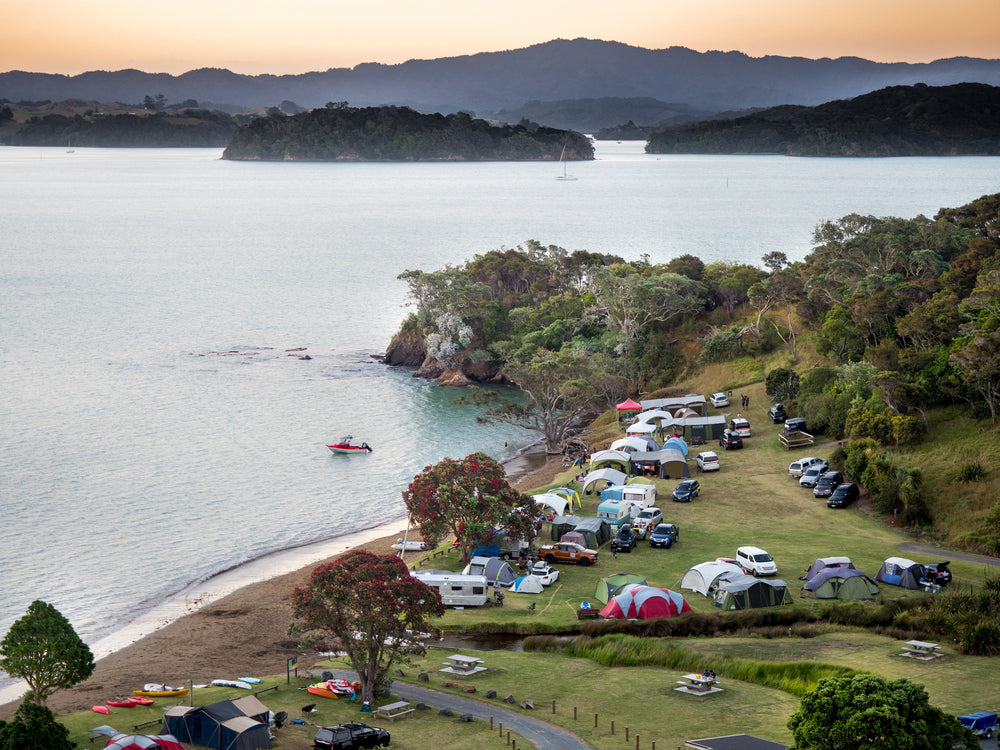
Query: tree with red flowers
[373,607]
[471,499]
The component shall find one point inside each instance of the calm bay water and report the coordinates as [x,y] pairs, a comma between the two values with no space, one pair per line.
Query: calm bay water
[157,424]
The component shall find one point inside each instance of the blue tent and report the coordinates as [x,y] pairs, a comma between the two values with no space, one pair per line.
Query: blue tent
[227,725]
[898,571]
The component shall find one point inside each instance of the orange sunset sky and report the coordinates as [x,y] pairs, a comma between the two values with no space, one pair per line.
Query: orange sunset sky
[296,36]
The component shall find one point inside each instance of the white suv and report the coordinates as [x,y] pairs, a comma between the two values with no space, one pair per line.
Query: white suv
[756,561]
[796,468]
[707,461]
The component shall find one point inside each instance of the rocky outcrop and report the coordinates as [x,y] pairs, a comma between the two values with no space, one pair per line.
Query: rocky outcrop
[407,347]
[407,350]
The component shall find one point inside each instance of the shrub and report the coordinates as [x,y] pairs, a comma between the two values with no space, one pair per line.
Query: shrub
[970,472]
[981,639]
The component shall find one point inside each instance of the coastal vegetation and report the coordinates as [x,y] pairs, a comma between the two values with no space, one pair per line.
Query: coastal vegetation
[339,132]
[919,120]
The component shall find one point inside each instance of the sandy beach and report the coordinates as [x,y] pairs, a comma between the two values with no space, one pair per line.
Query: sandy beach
[244,632]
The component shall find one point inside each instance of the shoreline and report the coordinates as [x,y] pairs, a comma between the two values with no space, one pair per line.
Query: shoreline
[192,627]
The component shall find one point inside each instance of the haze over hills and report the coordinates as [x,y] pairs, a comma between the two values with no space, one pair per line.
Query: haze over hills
[489,83]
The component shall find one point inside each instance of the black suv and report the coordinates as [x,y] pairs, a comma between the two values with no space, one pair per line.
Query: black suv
[938,573]
[777,413]
[625,540]
[730,439]
[844,495]
[827,483]
[350,736]
[794,424]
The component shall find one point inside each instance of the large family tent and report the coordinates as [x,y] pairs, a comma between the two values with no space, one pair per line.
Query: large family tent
[644,602]
[609,459]
[632,443]
[497,572]
[667,463]
[840,583]
[608,476]
[660,418]
[747,592]
[594,531]
[609,586]
[571,495]
[527,585]
[552,502]
[240,724]
[826,562]
[898,571]
[121,741]
[703,577]
[676,443]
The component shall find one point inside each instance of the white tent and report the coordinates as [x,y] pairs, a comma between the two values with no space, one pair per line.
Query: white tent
[611,476]
[634,443]
[641,428]
[609,459]
[703,576]
[528,585]
[665,417]
[558,503]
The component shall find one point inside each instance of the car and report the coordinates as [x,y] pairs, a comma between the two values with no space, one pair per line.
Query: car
[687,491]
[938,572]
[625,540]
[844,495]
[719,400]
[545,572]
[708,460]
[795,468]
[740,425]
[730,440]
[647,519]
[777,413]
[811,475]
[827,483]
[794,424]
[567,552]
[756,561]
[664,535]
[349,736]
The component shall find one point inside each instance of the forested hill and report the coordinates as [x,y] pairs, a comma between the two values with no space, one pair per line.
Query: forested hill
[963,119]
[342,133]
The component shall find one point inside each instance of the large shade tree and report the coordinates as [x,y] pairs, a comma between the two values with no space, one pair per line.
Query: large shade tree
[868,712]
[471,499]
[372,606]
[43,650]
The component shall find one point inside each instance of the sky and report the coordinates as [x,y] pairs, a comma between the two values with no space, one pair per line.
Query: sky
[298,36]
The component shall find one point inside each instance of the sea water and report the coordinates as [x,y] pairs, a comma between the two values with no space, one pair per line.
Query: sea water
[181,336]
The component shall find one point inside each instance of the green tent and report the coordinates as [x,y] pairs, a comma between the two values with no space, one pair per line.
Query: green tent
[748,592]
[840,583]
[607,587]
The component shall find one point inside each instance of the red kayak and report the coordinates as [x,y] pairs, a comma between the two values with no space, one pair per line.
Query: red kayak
[121,703]
[101,710]
[142,700]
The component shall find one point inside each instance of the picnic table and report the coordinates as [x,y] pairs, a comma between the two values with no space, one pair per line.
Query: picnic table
[395,710]
[921,650]
[462,666]
[698,684]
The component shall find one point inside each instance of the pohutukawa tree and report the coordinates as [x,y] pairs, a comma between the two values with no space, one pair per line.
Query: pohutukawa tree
[43,650]
[373,607]
[471,499]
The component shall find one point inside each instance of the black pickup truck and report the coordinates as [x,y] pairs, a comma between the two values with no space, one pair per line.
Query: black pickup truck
[350,736]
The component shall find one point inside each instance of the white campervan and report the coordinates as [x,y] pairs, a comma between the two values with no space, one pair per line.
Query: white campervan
[756,561]
[456,589]
[643,495]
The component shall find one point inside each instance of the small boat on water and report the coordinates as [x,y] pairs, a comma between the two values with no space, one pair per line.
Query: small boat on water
[346,447]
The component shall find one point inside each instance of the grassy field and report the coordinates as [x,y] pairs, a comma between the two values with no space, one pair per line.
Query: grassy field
[751,500]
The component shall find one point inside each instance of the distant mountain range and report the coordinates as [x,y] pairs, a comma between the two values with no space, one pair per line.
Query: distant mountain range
[547,83]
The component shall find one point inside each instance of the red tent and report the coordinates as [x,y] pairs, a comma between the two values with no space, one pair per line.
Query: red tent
[143,742]
[629,405]
[644,602]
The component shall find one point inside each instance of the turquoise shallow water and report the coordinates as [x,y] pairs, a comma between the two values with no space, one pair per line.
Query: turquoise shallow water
[157,422]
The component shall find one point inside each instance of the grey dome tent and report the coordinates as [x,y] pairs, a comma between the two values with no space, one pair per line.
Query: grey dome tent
[227,725]
[703,577]
[898,571]
[827,562]
[498,572]
[747,592]
[840,583]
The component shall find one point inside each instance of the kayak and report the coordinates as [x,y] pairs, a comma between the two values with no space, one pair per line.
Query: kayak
[101,710]
[232,683]
[251,680]
[163,692]
[121,703]
[142,700]
[334,689]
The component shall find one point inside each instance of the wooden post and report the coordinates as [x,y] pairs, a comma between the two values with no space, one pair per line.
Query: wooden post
[637,742]
[491,723]
[553,706]
[508,737]
[501,729]
[574,713]
[626,734]
[613,728]
[595,721]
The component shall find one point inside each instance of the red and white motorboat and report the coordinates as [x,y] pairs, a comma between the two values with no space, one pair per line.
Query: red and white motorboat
[346,447]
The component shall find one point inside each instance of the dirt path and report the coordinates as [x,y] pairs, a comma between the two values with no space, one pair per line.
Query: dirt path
[927,549]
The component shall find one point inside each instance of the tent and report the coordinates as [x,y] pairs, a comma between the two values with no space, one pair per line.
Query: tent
[571,495]
[676,443]
[609,459]
[498,572]
[628,405]
[659,417]
[898,571]
[610,476]
[574,536]
[143,742]
[641,428]
[550,500]
[597,530]
[631,443]
[704,576]
[644,602]
[607,587]
[227,725]
[667,463]
[826,562]
[527,585]
[747,592]
[840,583]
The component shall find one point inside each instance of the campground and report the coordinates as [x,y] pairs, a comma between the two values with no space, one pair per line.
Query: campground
[751,500]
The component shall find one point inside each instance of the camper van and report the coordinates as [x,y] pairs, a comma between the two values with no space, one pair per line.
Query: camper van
[643,495]
[456,589]
[615,512]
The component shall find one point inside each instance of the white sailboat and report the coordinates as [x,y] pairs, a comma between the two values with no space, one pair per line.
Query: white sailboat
[562,158]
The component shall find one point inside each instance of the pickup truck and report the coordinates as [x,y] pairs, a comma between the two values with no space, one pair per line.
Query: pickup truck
[567,552]
[350,736]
